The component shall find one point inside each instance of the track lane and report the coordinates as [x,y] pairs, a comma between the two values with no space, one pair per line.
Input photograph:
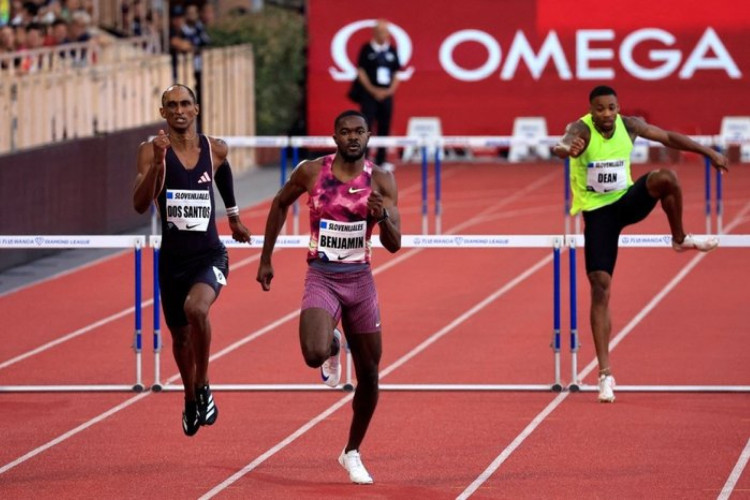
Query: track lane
[338,473]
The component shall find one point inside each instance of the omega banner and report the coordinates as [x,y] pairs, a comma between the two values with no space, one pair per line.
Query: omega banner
[478,64]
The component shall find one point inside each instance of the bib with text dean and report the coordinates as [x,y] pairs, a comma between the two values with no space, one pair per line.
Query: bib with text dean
[189,210]
[342,241]
[605,176]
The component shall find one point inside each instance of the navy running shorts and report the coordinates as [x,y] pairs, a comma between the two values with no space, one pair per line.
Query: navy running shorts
[178,275]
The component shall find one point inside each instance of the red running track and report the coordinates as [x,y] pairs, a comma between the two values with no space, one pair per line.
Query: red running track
[450,316]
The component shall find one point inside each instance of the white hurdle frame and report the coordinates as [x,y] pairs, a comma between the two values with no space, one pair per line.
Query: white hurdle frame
[554,242]
[71,242]
[663,241]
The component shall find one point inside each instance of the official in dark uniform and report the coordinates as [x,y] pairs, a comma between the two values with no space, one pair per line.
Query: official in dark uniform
[377,66]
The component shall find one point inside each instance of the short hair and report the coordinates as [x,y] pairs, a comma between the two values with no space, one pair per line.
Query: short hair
[190,91]
[600,91]
[349,112]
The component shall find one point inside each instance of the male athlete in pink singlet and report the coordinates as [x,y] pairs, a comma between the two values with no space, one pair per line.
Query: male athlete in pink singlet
[348,196]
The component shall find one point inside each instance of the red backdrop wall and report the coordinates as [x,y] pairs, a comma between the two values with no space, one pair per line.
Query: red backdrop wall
[478,64]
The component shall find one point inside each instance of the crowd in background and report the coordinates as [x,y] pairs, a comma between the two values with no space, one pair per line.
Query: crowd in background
[31,25]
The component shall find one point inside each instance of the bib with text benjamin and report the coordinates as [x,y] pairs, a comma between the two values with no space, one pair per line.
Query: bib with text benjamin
[342,241]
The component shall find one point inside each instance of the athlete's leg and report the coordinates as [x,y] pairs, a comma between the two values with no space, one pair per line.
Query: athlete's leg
[601,323]
[601,232]
[182,349]
[662,184]
[384,115]
[366,350]
[197,305]
[316,335]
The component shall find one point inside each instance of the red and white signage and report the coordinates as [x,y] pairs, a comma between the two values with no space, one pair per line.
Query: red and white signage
[478,64]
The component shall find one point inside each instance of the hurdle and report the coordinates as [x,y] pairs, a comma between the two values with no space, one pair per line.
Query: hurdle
[663,241]
[69,242]
[553,242]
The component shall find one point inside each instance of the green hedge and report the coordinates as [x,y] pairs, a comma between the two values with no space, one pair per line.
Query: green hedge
[279,39]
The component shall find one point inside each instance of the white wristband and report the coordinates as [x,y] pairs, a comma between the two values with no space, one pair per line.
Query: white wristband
[233,211]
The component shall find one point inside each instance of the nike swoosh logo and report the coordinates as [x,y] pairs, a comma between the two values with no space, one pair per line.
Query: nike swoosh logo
[353,190]
[191,226]
[342,257]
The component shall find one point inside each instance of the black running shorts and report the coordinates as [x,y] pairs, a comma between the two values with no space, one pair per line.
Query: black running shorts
[178,275]
[602,226]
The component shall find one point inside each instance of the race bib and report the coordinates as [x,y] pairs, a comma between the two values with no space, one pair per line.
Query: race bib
[189,210]
[607,176]
[342,241]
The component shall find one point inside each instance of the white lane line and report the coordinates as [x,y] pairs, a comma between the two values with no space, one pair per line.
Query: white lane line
[400,362]
[72,432]
[114,317]
[734,476]
[477,218]
[71,335]
[487,473]
[492,468]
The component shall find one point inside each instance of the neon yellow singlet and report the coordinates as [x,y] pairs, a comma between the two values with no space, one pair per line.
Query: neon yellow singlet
[601,175]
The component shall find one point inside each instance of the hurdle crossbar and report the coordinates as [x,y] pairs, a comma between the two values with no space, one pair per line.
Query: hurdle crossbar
[554,242]
[638,241]
[73,242]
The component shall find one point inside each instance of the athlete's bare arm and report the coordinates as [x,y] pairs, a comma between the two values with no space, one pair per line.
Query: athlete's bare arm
[384,197]
[638,127]
[150,166]
[219,151]
[574,142]
[300,182]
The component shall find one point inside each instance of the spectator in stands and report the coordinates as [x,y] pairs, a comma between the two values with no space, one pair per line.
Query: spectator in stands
[24,14]
[198,36]
[376,84]
[179,40]
[31,62]
[80,26]
[600,144]
[8,45]
[20,35]
[49,11]
[58,33]
[7,39]
[208,15]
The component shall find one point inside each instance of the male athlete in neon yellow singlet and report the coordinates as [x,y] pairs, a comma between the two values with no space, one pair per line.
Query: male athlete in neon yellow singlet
[599,145]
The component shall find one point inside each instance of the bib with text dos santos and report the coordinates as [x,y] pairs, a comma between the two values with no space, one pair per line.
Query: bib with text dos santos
[340,229]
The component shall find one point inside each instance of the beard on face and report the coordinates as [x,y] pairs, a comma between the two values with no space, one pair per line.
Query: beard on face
[349,157]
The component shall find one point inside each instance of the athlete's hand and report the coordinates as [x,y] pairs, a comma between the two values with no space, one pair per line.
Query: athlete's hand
[239,231]
[375,204]
[719,161]
[576,147]
[265,275]
[160,143]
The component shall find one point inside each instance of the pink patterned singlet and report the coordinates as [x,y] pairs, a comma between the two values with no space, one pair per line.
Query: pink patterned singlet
[340,229]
